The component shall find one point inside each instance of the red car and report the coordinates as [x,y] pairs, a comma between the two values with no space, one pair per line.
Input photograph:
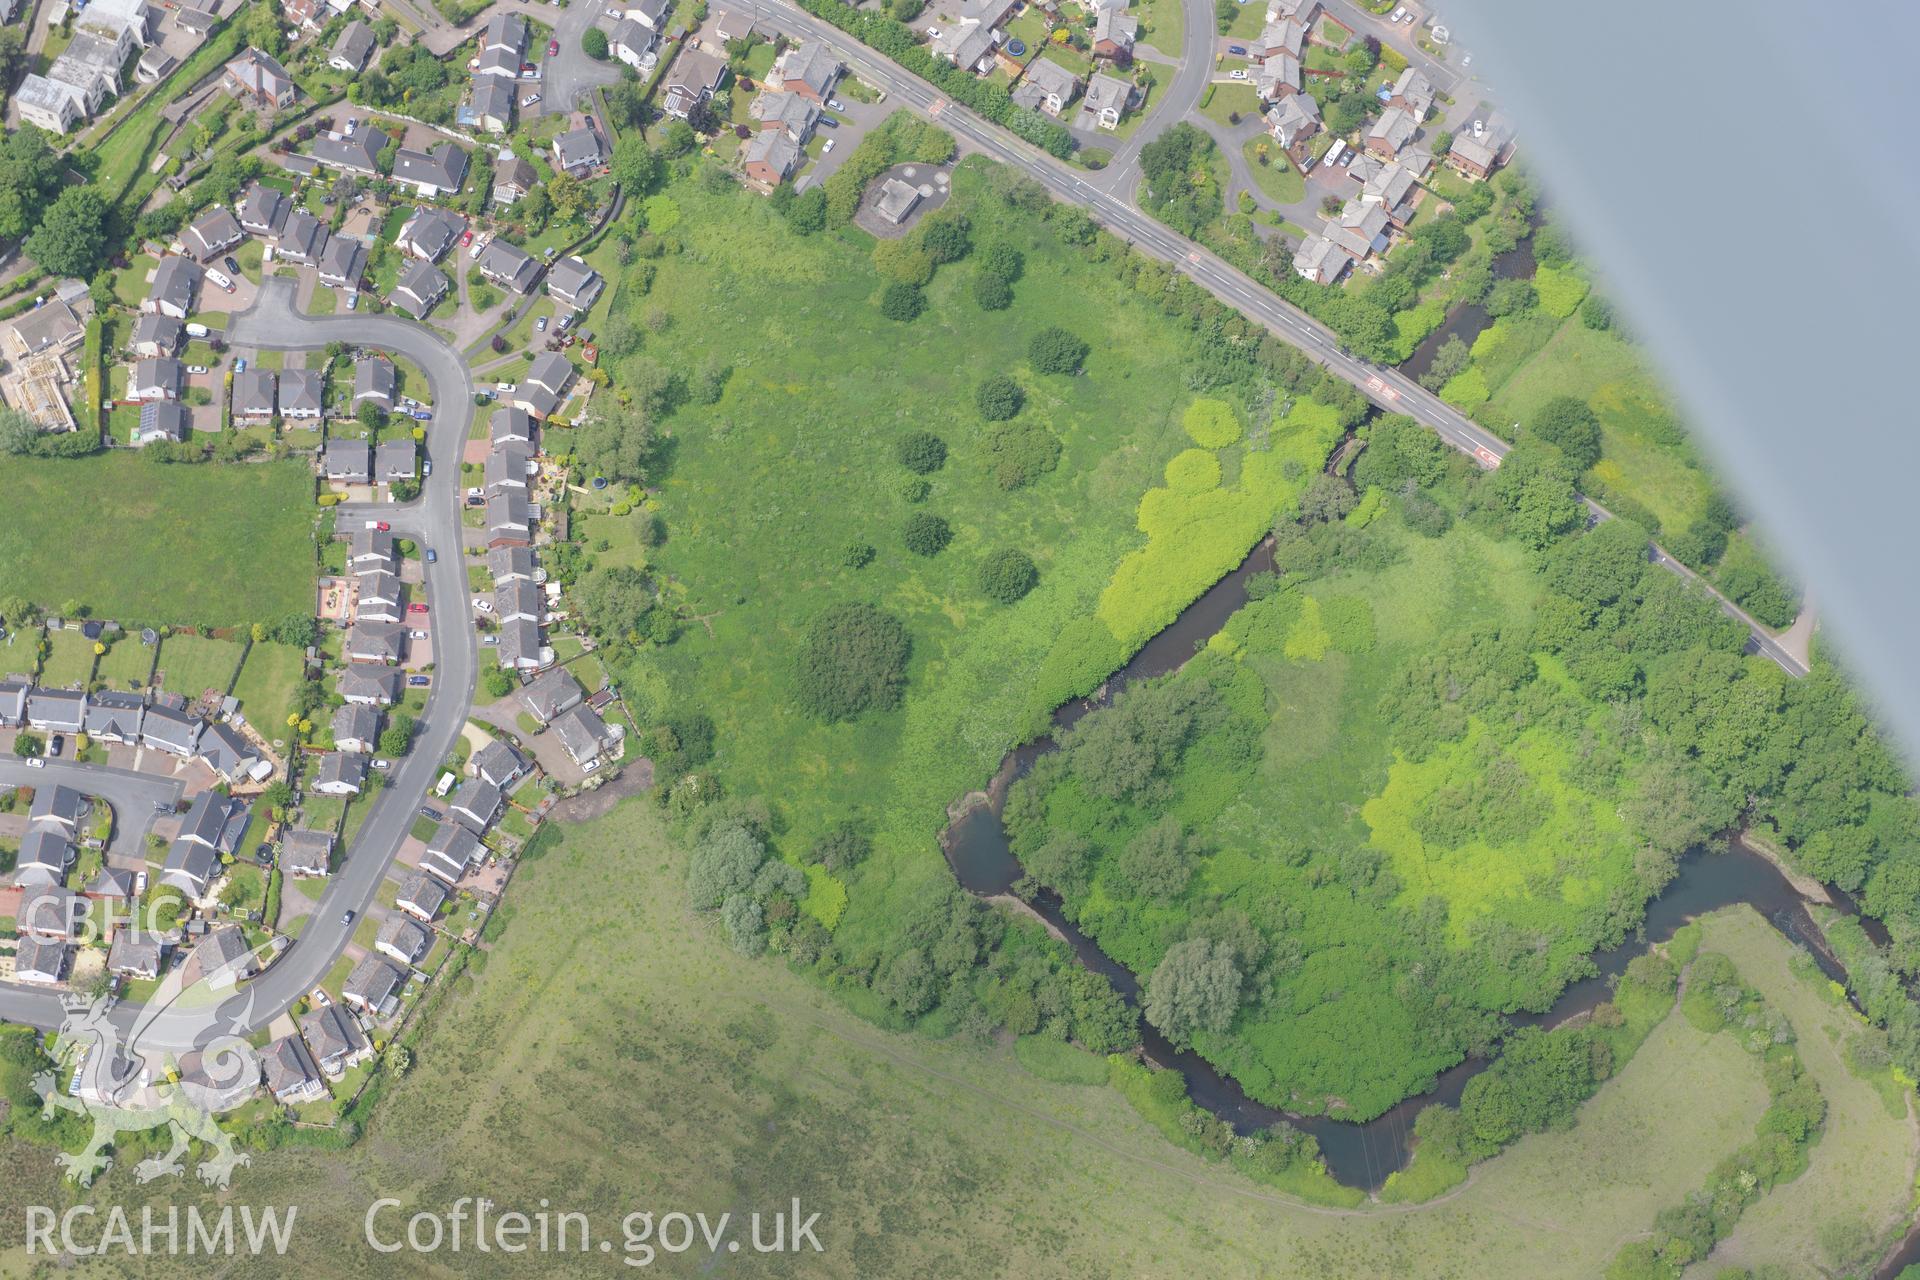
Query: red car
[416,608]
[553,48]
[383,526]
[466,237]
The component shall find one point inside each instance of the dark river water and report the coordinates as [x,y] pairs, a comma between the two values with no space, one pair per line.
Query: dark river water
[1359,1155]
[1467,322]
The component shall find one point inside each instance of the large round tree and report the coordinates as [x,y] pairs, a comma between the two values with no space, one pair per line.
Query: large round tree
[854,661]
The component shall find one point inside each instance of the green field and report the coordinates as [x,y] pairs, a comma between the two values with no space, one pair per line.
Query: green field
[217,545]
[190,665]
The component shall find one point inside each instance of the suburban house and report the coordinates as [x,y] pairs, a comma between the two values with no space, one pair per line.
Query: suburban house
[1391,187]
[1413,94]
[1294,118]
[135,954]
[575,283]
[694,76]
[651,14]
[1392,132]
[1479,150]
[14,690]
[356,727]
[158,335]
[1320,260]
[374,382]
[807,69]
[1278,76]
[342,263]
[341,773]
[174,283]
[514,564]
[222,958]
[451,852]
[632,43]
[59,809]
[428,233]
[502,45]
[509,518]
[577,151]
[403,940]
[212,234]
[550,694]
[156,378]
[511,426]
[769,157]
[263,209]
[259,80]
[584,735]
[379,598]
[1114,34]
[114,715]
[421,896]
[52,327]
[290,1073]
[358,152]
[729,26]
[44,857]
[499,763]
[113,884]
[435,172]
[507,467]
[376,642]
[302,394]
[397,459]
[517,601]
[509,266]
[191,868]
[353,48]
[56,710]
[1287,35]
[1360,229]
[371,986]
[256,395]
[39,961]
[306,853]
[168,730]
[347,462]
[1108,98]
[419,289]
[369,684]
[371,551]
[228,753]
[335,1039]
[520,647]
[513,177]
[214,820]
[51,911]
[489,104]
[161,420]
[969,41]
[543,389]
[303,238]
[790,113]
[1047,86]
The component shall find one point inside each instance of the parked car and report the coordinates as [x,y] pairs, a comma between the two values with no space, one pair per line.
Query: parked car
[380,525]
[35,762]
[220,278]
[419,682]
[416,607]
[834,104]
[430,813]
[553,48]
[56,744]
[196,368]
[139,884]
[346,917]
[489,640]
[1238,73]
[380,764]
[233,264]
[1237,48]
[433,557]
[479,246]
[240,364]
[466,237]
[828,122]
[828,147]
[483,604]
[353,301]
[540,325]
[530,100]
[417,635]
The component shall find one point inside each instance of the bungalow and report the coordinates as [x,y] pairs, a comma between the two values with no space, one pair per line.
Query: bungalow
[403,940]
[632,43]
[729,26]
[577,151]
[52,327]
[135,954]
[1047,86]
[551,694]
[222,958]
[303,239]
[259,80]
[306,853]
[520,647]
[419,289]
[51,911]
[379,597]
[475,805]
[513,177]
[352,49]
[505,33]
[1479,150]
[1108,98]
[397,460]
[769,157]
[40,962]
[13,700]
[341,773]
[376,642]
[511,426]
[428,233]
[58,809]
[290,1073]
[575,283]
[358,152]
[1277,77]
[161,420]
[514,564]
[168,730]
[214,820]
[45,856]
[174,285]
[1320,260]
[155,335]
[969,41]
[114,716]
[790,113]
[371,551]
[509,519]
[499,763]
[302,393]
[489,106]
[371,986]
[374,382]
[336,1040]
[584,735]
[342,263]
[651,14]
[113,884]
[256,395]
[1114,35]
[369,684]
[421,896]
[509,266]
[543,388]
[438,171]
[1413,93]
[190,868]
[807,69]
[157,378]
[56,710]
[1294,118]
[692,80]
[451,852]
[356,727]
[1288,36]
[1392,131]
[347,462]
[517,600]
[212,234]
[507,467]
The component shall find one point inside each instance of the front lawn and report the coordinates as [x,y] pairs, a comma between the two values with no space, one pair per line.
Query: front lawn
[1279,179]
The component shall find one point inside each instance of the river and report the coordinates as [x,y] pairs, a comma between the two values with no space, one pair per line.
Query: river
[1359,1155]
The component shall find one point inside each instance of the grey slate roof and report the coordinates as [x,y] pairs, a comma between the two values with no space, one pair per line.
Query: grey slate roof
[354,46]
[340,769]
[581,731]
[164,333]
[443,167]
[134,953]
[369,681]
[509,425]
[301,392]
[169,730]
[349,460]
[303,238]
[227,751]
[174,283]
[112,713]
[396,459]
[190,867]
[57,806]
[57,708]
[577,148]
[429,232]
[423,893]
[476,804]
[376,641]
[356,722]
[288,1067]
[332,1033]
[372,983]
[358,154]
[508,264]
[574,282]
[498,762]
[306,852]
[403,938]
[343,262]
[420,286]
[551,693]
[255,393]
[374,380]
[212,233]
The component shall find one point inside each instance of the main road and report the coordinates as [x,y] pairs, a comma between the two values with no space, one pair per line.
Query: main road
[273,324]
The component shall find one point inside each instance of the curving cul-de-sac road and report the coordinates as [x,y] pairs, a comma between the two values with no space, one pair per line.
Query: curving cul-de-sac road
[433,520]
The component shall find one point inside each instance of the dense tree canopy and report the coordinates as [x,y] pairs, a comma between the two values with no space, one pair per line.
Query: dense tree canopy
[854,660]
